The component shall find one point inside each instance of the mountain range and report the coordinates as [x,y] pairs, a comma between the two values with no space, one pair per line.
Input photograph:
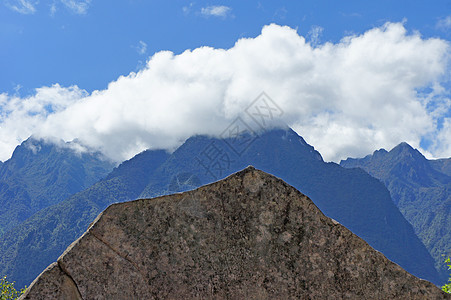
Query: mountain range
[350,196]
[421,189]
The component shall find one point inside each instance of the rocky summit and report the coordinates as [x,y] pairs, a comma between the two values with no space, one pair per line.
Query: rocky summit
[249,236]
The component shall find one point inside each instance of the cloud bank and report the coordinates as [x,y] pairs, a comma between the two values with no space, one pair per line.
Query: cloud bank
[347,99]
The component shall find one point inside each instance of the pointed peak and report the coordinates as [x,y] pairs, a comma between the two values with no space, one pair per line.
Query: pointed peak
[405,149]
[403,145]
[405,152]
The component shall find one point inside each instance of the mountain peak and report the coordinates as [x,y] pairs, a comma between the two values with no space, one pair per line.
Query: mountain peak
[403,146]
[26,151]
[401,153]
[404,149]
[232,238]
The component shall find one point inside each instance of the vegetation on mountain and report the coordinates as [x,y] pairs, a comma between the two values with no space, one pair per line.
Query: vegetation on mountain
[421,189]
[447,287]
[8,291]
[40,174]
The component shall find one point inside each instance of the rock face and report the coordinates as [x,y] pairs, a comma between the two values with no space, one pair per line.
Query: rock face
[249,236]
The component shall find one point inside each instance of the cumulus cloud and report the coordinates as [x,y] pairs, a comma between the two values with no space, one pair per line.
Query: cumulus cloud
[25,7]
[347,99]
[21,117]
[77,6]
[216,11]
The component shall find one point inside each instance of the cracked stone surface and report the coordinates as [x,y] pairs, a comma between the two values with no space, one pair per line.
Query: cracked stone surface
[249,236]
[54,283]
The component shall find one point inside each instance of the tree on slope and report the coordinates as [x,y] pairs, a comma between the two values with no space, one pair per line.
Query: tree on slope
[447,287]
[8,291]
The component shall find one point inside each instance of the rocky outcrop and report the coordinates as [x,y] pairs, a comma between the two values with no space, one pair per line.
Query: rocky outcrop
[249,236]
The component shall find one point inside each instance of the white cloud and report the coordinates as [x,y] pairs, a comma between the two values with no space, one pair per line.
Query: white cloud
[444,24]
[77,6]
[315,35]
[141,48]
[21,117]
[29,7]
[53,9]
[347,99]
[216,11]
[442,145]
[25,7]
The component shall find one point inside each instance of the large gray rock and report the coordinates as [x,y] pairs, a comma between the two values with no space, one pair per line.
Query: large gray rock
[249,236]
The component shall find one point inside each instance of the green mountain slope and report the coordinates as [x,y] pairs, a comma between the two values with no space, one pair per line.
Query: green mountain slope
[40,174]
[421,189]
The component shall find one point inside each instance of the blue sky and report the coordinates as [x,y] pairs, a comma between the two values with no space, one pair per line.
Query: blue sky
[351,76]
[92,46]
